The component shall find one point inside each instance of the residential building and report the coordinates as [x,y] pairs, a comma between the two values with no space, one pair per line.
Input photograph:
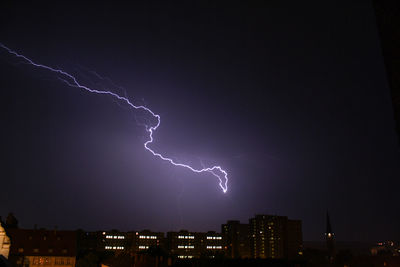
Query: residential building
[237,239]
[115,241]
[212,244]
[187,245]
[146,239]
[4,242]
[275,237]
[42,247]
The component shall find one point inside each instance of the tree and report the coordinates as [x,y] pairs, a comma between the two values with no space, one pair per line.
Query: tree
[11,221]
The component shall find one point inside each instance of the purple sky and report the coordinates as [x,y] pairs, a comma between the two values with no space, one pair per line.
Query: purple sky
[290,98]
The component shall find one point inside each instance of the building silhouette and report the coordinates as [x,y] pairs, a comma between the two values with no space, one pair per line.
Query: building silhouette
[213,244]
[42,247]
[237,239]
[147,239]
[265,237]
[275,237]
[188,245]
[294,239]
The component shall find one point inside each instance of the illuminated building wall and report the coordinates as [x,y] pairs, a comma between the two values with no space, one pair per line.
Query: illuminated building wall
[212,244]
[184,244]
[115,241]
[146,239]
[237,240]
[275,237]
[4,243]
[101,241]
[42,248]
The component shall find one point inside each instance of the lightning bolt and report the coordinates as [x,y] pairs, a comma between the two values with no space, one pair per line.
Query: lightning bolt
[72,81]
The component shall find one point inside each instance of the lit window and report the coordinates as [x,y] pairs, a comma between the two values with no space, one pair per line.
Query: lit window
[187,247]
[214,247]
[185,237]
[214,237]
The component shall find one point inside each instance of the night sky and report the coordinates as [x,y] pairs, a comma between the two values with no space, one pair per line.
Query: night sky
[290,97]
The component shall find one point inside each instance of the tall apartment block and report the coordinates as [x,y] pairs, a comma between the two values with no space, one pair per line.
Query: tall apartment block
[275,237]
[237,239]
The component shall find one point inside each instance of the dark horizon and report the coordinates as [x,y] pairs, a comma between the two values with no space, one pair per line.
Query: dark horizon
[292,99]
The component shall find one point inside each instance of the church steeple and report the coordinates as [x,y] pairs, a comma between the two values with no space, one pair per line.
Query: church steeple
[330,240]
[328,224]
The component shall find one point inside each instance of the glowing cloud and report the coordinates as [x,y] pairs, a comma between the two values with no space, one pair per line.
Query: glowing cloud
[71,81]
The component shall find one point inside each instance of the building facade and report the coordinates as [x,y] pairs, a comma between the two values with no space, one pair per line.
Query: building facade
[237,239]
[115,241]
[42,247]
[212,244]
[102,241]
[184,244]
[146,239]
[294,239]
[275,237]
[187,245]
[4,242]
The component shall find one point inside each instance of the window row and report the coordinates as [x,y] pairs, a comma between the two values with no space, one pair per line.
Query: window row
[115,237]
[114,247]
[214,237]
[185,236]
[148,237]
[190,246]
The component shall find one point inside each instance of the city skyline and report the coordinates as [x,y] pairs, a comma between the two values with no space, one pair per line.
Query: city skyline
[291,99]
